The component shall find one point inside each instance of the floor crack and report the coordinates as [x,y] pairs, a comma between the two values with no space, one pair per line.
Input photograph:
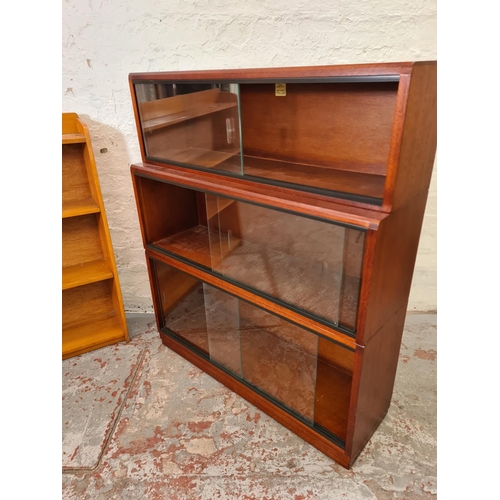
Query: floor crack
[72,470]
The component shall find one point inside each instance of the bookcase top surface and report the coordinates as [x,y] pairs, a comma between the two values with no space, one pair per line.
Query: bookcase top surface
[394,69]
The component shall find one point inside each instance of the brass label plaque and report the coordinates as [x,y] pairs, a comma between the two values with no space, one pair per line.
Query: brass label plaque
[280,89]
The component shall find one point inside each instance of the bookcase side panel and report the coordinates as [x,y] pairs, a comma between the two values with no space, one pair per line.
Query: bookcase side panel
[419,138]
[373,383]
[391,272]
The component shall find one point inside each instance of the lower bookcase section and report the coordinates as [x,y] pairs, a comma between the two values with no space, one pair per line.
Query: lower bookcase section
[303,375]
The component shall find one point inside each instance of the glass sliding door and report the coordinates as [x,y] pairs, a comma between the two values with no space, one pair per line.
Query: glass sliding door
[291,258]
[195,125]
[271,354]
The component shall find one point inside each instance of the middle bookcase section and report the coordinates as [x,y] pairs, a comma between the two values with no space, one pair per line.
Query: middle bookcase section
[309,264]
[307,374]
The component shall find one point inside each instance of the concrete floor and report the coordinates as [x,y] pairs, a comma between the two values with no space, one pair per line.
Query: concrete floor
[140,422]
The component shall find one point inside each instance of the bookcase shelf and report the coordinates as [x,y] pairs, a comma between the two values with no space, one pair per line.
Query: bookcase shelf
[360,184]
[80,207]
[206,158]
[73,138]
[92,315]
[85,273]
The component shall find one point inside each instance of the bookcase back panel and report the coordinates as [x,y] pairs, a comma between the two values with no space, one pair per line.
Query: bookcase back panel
[87,303]
[329,125]
[81,241]
[75,181]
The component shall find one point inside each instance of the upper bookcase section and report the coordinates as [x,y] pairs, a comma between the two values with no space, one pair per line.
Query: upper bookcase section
[363,134]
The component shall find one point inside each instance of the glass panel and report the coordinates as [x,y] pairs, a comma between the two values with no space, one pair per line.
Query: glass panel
[223,328]
[191,124]
[223,238]
[182,305]
[268,352]
[279,358]
[289,257]
[353,260]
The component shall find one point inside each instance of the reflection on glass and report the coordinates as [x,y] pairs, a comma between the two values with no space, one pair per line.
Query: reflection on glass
[292,258]
[223,328]
[182,305]
[351,283]
[192,124]
[279,358]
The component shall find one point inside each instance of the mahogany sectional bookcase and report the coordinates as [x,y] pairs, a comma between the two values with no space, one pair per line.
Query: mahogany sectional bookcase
[281,211]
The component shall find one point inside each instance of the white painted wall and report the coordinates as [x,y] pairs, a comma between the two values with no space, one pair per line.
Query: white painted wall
[104,40]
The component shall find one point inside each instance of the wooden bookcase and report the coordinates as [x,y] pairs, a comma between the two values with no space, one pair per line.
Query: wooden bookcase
[281,212]
[92,307]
